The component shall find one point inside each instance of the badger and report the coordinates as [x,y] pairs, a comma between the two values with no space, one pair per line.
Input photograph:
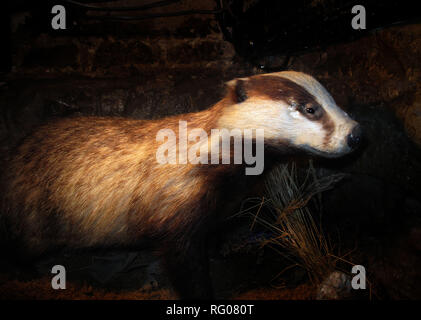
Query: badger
[87,182]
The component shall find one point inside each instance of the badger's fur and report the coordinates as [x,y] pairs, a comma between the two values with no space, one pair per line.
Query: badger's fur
[90,181]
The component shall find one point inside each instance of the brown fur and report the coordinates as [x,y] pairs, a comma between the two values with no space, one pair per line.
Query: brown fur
[95,182]
[98,180]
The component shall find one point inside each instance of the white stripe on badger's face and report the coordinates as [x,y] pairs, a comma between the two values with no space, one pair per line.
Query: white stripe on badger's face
[282,121]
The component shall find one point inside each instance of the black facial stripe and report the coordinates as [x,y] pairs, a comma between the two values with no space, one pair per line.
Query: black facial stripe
[277,88]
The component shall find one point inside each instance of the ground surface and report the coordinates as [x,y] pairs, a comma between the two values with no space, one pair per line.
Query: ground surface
[40,289]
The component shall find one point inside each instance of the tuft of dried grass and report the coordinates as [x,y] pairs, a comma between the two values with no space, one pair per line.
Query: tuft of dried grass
[296,234]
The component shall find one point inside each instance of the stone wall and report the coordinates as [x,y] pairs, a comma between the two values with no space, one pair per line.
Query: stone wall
[122,48]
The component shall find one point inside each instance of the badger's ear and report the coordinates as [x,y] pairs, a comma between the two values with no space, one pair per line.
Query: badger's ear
[237,90]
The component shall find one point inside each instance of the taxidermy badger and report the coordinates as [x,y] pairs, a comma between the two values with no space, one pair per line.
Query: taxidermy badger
[100,182]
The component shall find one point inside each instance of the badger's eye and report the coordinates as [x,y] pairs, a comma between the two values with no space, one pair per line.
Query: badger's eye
[310,110]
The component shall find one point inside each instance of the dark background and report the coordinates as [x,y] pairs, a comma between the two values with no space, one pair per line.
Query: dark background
[174,57]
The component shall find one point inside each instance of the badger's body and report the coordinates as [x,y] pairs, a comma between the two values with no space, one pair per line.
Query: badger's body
[88,181]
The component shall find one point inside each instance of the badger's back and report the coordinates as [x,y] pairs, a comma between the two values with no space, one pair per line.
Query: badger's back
[95,181]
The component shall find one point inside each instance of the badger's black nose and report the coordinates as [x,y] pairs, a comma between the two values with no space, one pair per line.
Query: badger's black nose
[354,138]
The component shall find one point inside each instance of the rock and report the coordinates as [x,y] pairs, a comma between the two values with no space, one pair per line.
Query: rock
[336,286]
[412,120]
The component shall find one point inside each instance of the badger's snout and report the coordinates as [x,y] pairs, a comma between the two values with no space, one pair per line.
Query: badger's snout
[354,138]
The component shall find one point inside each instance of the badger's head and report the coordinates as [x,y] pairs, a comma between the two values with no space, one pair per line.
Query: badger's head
[294,110]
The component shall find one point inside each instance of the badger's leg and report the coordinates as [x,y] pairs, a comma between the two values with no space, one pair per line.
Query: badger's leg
[188,268]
